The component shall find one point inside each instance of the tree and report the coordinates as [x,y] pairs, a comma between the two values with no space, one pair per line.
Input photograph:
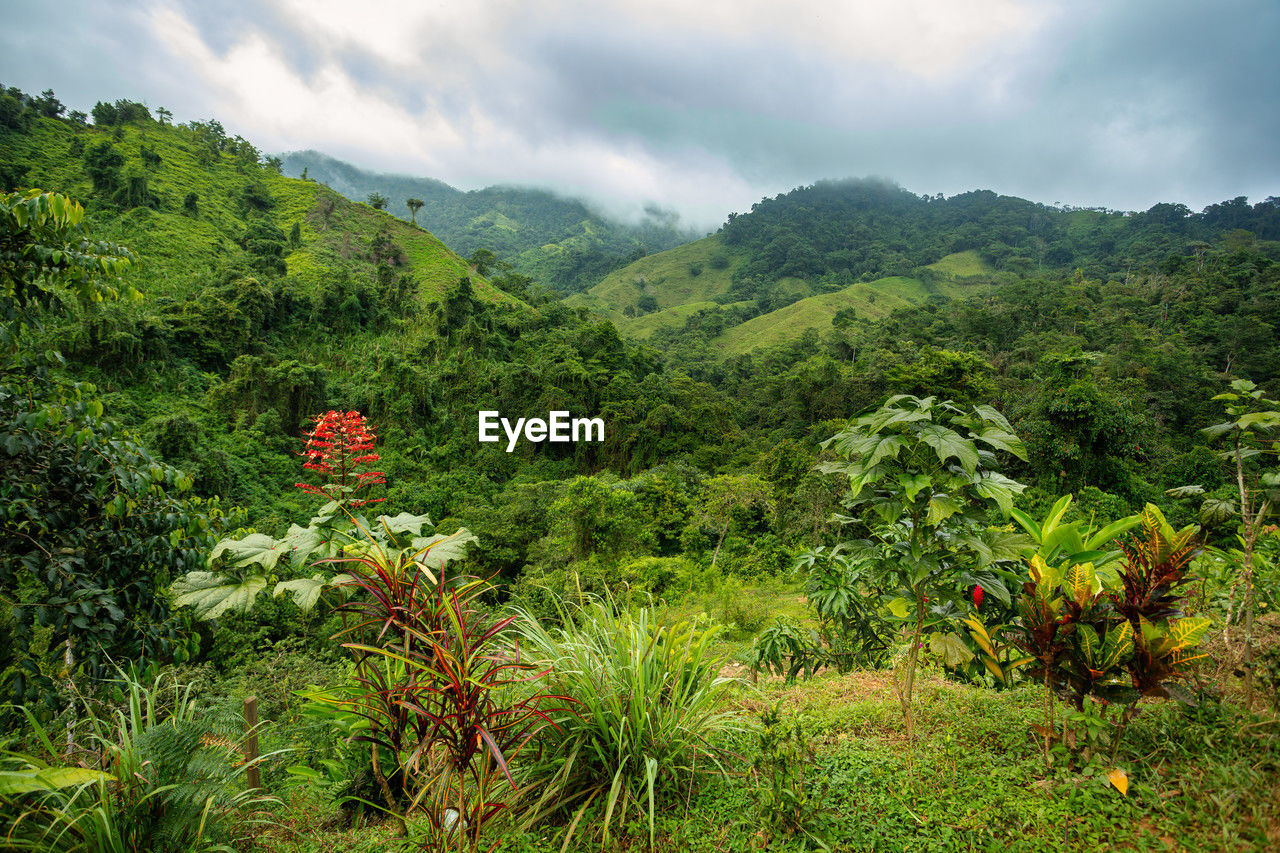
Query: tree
[483,260]
[921,476]
[91,527]
[414,205]
[726,495]
[46,256]
[1251,434]
[103,163]
[163,115]
[48,105]
[377,201]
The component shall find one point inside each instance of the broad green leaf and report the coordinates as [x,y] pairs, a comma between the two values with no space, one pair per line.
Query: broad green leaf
[950,648]
[888,510]
[899,607]
[303,543]
[988,413]
[913,484]
[941,507]
[212,594]
[999,488]
[403,523]
[1218,429]
[1215,511]
[863,476]
[994,586]
[1003,440]
[1064,538]
[949,444]
[886,448]
[435,551]
[1185,491]
[256,548]
[1028,524]
[48,779]
[1111,532]
[305,591]
[1056,513]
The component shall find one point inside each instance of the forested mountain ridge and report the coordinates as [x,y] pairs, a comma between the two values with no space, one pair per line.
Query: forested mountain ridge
[839,240]
[558,241]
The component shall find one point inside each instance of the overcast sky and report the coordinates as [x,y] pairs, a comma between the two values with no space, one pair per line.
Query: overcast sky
[705,106]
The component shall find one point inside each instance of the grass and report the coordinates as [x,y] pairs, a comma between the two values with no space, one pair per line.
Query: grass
[963,274]
[960,264]
[178,253]
[668,277]
[1205,778]
[647,710]
[871,300]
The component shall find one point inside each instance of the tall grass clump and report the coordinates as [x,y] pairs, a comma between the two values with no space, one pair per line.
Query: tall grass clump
[646,714]
[153,772]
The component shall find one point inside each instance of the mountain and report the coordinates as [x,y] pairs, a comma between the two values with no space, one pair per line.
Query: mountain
[267,299]
[858,249]
[558,241]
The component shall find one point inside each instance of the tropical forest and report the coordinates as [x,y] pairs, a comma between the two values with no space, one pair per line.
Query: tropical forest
[915,522]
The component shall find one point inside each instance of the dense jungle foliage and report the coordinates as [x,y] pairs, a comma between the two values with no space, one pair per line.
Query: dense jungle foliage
[979,462]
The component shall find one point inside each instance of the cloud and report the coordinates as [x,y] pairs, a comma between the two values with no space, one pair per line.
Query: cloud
[707,106]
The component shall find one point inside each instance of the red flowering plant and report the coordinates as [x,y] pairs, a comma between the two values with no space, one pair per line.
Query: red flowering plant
[338,446]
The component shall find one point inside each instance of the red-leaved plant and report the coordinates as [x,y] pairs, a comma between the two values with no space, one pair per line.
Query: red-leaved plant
[338,446]
[433,672]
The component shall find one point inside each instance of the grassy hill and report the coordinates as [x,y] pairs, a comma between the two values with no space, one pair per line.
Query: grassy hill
[203,211]
[675,280]
[960,275]
[558,241]
[698,276]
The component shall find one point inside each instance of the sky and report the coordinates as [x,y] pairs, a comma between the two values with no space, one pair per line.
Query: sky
[705,106]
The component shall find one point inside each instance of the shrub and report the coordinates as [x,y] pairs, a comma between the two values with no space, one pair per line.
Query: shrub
[647,709]
[157,773]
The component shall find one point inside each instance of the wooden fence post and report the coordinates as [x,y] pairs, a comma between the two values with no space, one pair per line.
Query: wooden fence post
[252,777]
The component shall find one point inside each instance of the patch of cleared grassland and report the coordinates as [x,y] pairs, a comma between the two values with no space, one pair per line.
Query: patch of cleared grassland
[668,277]
[964,274]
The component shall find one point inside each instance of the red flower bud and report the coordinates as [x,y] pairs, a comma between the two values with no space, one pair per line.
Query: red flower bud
[977,597]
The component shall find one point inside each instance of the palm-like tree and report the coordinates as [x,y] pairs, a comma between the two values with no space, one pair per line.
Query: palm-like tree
[414,205]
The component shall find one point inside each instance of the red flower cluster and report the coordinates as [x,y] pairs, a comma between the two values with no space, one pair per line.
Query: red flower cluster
[336,446]
[977,597]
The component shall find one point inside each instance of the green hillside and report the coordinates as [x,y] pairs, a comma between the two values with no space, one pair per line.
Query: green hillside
[200,207]
[961,275]
[664,291]
[561,242]
[913,384]
[694,273]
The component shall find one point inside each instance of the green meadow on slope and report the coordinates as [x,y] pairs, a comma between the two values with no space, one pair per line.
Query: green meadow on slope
[663,291]
[961,275]
[694,273]
[203,210]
